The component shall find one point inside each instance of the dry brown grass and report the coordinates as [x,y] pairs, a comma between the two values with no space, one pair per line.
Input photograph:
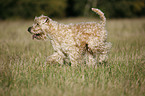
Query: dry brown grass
[24,73]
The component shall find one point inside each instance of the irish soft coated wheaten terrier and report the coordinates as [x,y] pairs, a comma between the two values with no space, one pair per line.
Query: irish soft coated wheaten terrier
[82,43]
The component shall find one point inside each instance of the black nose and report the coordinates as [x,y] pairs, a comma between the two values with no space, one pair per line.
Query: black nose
[29,29]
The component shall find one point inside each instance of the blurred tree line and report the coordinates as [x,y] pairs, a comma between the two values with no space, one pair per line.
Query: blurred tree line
[68,8]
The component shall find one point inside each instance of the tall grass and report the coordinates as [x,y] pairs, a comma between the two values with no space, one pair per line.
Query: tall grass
[23,71]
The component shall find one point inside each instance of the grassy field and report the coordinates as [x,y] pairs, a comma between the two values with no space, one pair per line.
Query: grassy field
[23,71]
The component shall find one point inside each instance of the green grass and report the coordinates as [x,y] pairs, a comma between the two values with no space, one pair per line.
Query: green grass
[23,71]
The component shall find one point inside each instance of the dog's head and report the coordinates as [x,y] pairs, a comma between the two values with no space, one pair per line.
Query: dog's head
[39,27]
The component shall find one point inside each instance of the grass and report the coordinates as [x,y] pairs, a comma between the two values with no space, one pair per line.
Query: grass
[23,71]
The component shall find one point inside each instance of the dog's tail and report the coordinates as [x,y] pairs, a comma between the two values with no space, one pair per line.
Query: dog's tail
[101,14]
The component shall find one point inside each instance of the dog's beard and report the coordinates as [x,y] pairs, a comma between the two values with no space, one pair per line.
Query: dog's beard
[39,36]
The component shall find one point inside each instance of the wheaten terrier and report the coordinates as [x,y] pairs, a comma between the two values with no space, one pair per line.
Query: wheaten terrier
[82,43]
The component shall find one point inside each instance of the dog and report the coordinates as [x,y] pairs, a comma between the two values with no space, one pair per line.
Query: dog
[81,43]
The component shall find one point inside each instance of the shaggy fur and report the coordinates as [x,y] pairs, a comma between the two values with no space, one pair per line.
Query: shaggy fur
[74,42]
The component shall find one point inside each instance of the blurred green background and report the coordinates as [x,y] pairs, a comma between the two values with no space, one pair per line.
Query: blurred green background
[27,9]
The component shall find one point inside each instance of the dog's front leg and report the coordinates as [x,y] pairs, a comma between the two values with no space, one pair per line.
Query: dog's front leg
[75,56]
[55,58]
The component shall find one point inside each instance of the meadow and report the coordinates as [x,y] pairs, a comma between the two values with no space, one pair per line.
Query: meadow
[23,71]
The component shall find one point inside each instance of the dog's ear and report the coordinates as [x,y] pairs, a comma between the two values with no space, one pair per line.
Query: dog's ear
[36,17]
[42,15]
[47,19]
